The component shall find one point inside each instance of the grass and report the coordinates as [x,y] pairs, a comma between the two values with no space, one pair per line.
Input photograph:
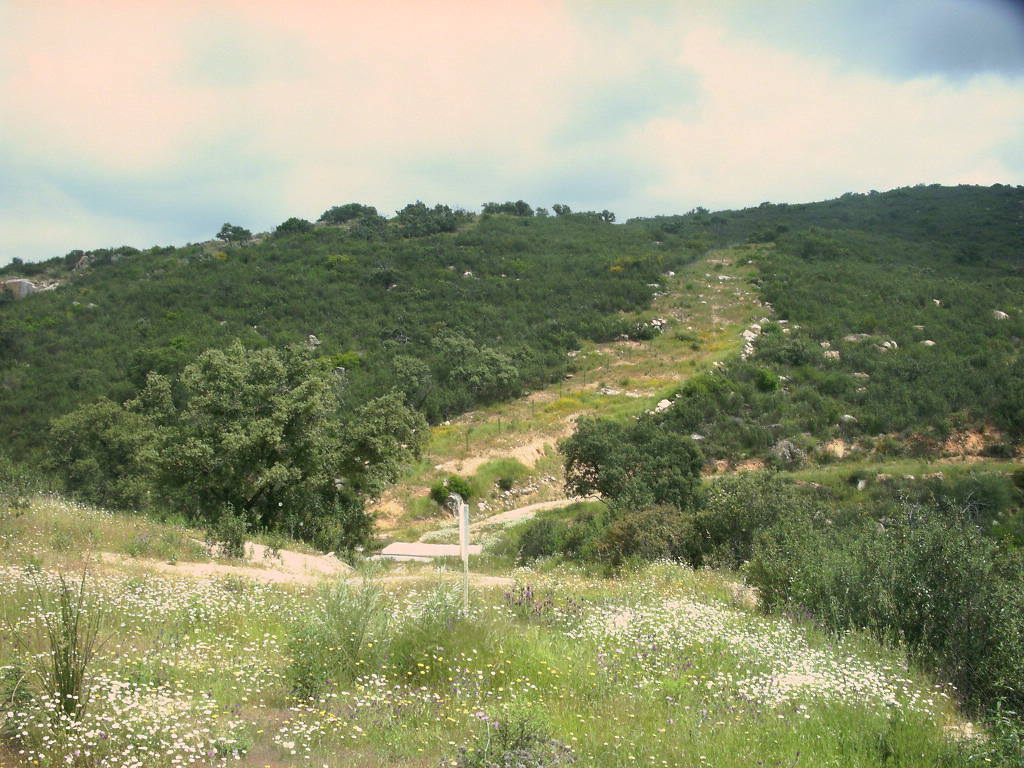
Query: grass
[702,311]
[53,528]
[661,666]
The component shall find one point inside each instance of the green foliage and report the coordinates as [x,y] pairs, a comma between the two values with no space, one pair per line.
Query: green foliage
[518,208]
[641,463]
[417,220]
[354,630]
[922,580]
[341,214]
[515,737]
[648,533]
[336,642]
[906,266]
[460,485]
[541,538]
[102,450]
[293,226]
[247,434]
[70,626]
[227,533]
[230,233]
[735,511]
[16,486]
[538,287]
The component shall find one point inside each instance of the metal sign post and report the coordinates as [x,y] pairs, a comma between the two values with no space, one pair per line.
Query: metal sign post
[464,547]
[461,509]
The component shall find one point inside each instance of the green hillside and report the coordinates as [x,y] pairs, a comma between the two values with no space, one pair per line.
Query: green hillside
[815,412]
[453,318]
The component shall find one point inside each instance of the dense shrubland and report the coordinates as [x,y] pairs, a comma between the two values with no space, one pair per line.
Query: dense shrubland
[453,311]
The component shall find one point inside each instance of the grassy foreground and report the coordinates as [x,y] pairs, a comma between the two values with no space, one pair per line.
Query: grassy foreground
[664,666]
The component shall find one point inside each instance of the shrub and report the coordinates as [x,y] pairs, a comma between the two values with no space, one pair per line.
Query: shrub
[460,485]
[926,581]
[440,491]
[650,533]
[228,532]
[435,624]
[735,512]
[71,627]
[336,642]
[15,486]
[785,455]
[540,538]
[514,738]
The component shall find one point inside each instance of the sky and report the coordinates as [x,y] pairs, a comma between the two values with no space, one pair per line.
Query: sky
[153,123]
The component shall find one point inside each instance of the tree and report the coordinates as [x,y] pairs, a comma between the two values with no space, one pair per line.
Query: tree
[641,464]
[293,226]
[252,433]
[104,452]
[257,433]
[518,208]
[561,210]
[340,214]
[416,219]
[607,216]
[230,233]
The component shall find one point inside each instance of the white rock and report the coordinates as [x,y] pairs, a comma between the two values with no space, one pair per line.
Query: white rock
[1000,315]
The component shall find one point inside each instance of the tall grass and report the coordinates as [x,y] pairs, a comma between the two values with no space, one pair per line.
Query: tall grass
[70,629]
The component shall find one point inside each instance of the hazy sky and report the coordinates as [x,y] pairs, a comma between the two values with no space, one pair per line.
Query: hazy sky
[153,122]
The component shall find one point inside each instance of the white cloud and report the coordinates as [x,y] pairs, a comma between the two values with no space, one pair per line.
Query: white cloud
[318,102]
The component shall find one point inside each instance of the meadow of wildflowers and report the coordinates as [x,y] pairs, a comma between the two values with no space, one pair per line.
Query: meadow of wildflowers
[660,667]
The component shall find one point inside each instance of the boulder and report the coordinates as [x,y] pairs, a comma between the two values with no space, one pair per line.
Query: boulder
[1000,315]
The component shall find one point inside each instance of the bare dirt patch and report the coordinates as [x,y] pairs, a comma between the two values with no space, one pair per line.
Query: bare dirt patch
[262,564]
[527,453]
[965,444]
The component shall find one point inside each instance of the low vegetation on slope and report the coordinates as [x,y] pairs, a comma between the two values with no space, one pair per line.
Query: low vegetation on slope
[660,667]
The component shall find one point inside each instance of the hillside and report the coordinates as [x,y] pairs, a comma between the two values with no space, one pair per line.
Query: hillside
[662,666]
[505,296]
[508,296]
[748,486]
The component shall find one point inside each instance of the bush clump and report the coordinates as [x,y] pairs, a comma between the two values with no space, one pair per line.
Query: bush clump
[514,738]
[924,579]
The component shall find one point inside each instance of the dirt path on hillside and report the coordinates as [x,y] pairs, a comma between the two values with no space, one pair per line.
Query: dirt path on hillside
[287,567]
[527,453]
[522,513]
[261,564]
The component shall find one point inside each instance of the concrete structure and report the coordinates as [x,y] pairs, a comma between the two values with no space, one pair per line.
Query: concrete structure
[425,552]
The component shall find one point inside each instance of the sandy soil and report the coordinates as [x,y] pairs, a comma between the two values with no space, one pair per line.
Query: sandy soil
[286,568]
[527,453]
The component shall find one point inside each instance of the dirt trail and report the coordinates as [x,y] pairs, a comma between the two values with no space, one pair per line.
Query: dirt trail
[527,453]
[287,568]
[262,564]
[522,513]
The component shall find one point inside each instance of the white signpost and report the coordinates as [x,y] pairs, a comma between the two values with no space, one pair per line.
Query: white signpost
[461,509]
